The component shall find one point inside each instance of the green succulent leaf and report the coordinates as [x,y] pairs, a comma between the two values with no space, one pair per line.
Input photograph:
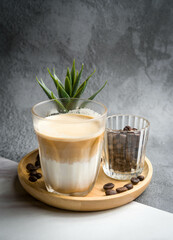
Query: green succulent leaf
[68,87]
[83,105]
[95,94]
[60,88]
[77,73]
[60,105]
[54,80]
[46,89]
[80,90]
[83,84]
[57,82]
[52,95]
[73,73]
[62,93]
[77,81]
[55,76]
[69,76]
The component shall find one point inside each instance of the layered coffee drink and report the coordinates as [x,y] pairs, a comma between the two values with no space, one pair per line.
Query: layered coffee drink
[70,147]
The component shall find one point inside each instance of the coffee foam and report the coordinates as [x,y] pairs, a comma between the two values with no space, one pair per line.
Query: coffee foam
[71,125]
[85,111]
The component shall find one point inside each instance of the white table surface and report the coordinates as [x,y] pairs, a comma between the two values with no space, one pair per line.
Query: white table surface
[24,218]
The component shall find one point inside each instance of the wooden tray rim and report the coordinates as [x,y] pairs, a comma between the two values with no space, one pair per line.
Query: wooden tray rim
[85,198]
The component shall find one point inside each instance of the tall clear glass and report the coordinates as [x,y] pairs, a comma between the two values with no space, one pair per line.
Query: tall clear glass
[124,150]
[70,134]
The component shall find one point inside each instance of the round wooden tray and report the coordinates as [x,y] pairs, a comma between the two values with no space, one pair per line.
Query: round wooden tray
[96,200]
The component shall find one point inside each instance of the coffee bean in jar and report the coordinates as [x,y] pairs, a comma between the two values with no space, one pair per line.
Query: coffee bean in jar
[125,146]
[123,149]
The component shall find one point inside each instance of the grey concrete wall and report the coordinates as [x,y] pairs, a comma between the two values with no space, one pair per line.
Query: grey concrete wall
[129,42]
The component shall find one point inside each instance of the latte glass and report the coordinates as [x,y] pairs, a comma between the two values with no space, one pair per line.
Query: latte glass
[70,134]
[124,151]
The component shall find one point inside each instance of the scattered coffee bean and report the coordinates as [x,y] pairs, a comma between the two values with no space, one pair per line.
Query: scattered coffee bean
[110,192]
[30,167]
[121,189]
[32,179]
[38,175]
[127,128]
[134,180]
[33,173]
[108,186]
[128,186]
[141,177]
[37,167]
[38,157]
[37,163]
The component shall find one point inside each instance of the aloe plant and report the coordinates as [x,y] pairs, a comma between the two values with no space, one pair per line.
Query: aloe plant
[71,89]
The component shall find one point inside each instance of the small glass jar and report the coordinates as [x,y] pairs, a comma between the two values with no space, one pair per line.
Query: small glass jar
[125,146]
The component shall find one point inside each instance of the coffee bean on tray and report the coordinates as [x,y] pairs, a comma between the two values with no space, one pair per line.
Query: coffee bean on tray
[141,177]
[108,186]
[110,192]
[32,179]
[37,163]
[33,173]
[121,189]
[38,175]
[134,180]
[38,157]
[30,167]
[128,186]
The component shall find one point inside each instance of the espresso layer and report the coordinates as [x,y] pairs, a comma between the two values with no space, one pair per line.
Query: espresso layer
[66,151]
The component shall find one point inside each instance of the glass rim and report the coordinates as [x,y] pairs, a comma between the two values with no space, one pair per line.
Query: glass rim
[84,99]
[132,115]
